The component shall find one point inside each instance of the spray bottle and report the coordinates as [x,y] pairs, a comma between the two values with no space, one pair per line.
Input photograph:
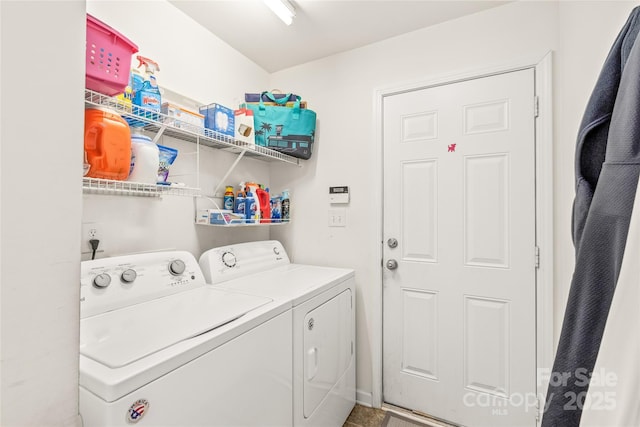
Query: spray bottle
[148,96]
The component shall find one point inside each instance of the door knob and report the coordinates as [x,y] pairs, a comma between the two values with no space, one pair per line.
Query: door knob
[392,264]
[393,243]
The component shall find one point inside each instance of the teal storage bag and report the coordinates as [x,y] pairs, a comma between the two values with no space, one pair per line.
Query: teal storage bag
[288,130]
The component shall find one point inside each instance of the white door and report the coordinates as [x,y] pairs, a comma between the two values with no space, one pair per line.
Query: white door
[459,197]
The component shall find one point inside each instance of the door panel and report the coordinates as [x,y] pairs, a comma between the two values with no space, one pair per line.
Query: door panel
[420,346]
[486,345]
[419,211]
[486,211]
[459,195]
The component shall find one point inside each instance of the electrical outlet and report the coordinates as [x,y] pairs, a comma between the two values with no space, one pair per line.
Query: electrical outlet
[93,233]
[92,230]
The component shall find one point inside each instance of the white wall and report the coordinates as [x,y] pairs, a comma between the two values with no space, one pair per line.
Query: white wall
[579,33]
[197,65]
[41,136]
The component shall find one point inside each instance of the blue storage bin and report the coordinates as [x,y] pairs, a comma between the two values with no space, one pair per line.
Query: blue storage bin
[219,118]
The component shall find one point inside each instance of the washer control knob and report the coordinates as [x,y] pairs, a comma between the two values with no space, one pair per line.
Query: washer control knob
[128,275]
[102,280]
[177,267]
[229,259]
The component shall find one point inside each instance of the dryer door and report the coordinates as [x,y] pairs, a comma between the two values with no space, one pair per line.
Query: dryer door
[327,348]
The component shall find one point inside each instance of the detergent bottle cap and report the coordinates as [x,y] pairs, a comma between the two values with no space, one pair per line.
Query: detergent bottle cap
[285,194]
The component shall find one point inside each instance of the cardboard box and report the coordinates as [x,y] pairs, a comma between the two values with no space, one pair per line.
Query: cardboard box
[244,126]
[219,118]
[218,216]
[184,118]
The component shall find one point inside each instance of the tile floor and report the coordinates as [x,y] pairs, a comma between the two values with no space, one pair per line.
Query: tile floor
[361,416]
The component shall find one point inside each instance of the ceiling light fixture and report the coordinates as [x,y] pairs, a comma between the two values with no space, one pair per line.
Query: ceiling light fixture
[283,9]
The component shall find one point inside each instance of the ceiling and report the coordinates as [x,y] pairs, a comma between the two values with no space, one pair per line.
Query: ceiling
[321,27]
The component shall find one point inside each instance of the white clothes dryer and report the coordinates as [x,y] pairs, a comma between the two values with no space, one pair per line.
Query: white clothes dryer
[323,327]
[160,347]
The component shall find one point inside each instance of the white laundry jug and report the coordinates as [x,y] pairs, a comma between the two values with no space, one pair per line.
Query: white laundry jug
[145,159]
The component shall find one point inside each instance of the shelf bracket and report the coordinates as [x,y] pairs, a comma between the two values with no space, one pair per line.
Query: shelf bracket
[198,161]
[159,134]
[226,175]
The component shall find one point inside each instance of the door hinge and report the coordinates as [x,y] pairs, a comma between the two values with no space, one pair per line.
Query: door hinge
[537,257]
[536,106]
[538,409]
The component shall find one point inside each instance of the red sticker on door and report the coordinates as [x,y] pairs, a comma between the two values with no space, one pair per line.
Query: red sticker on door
[451,148]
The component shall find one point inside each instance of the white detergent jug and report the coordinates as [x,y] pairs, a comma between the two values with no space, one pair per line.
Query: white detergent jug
[145,159]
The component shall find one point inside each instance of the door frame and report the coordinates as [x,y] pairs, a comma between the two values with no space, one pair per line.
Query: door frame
[543,200]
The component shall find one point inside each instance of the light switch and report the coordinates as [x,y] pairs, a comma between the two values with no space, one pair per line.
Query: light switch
[338,217]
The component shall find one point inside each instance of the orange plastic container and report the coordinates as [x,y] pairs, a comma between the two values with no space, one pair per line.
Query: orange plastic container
[107,144]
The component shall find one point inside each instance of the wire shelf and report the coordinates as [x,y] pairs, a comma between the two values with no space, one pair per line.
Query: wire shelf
[175,128]
[127,188]
[246,223]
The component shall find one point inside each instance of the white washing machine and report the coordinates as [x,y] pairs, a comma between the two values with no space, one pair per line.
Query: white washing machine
[160,347]
[323,328]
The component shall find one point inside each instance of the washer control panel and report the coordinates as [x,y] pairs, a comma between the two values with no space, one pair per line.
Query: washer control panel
[177,267]
[111,283]
[229,259]
[234,261]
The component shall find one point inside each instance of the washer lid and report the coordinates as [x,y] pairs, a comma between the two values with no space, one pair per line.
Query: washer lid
[120,337]
[295,282]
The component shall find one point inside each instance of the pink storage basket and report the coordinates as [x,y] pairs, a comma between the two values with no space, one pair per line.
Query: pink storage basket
[108,61]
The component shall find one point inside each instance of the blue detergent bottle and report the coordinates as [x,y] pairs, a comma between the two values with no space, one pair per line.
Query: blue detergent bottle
[276,209]
[148,96]
[228,200]
[250,208]
[240,204]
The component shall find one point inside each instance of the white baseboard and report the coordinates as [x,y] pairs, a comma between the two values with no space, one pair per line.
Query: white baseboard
[364,398]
